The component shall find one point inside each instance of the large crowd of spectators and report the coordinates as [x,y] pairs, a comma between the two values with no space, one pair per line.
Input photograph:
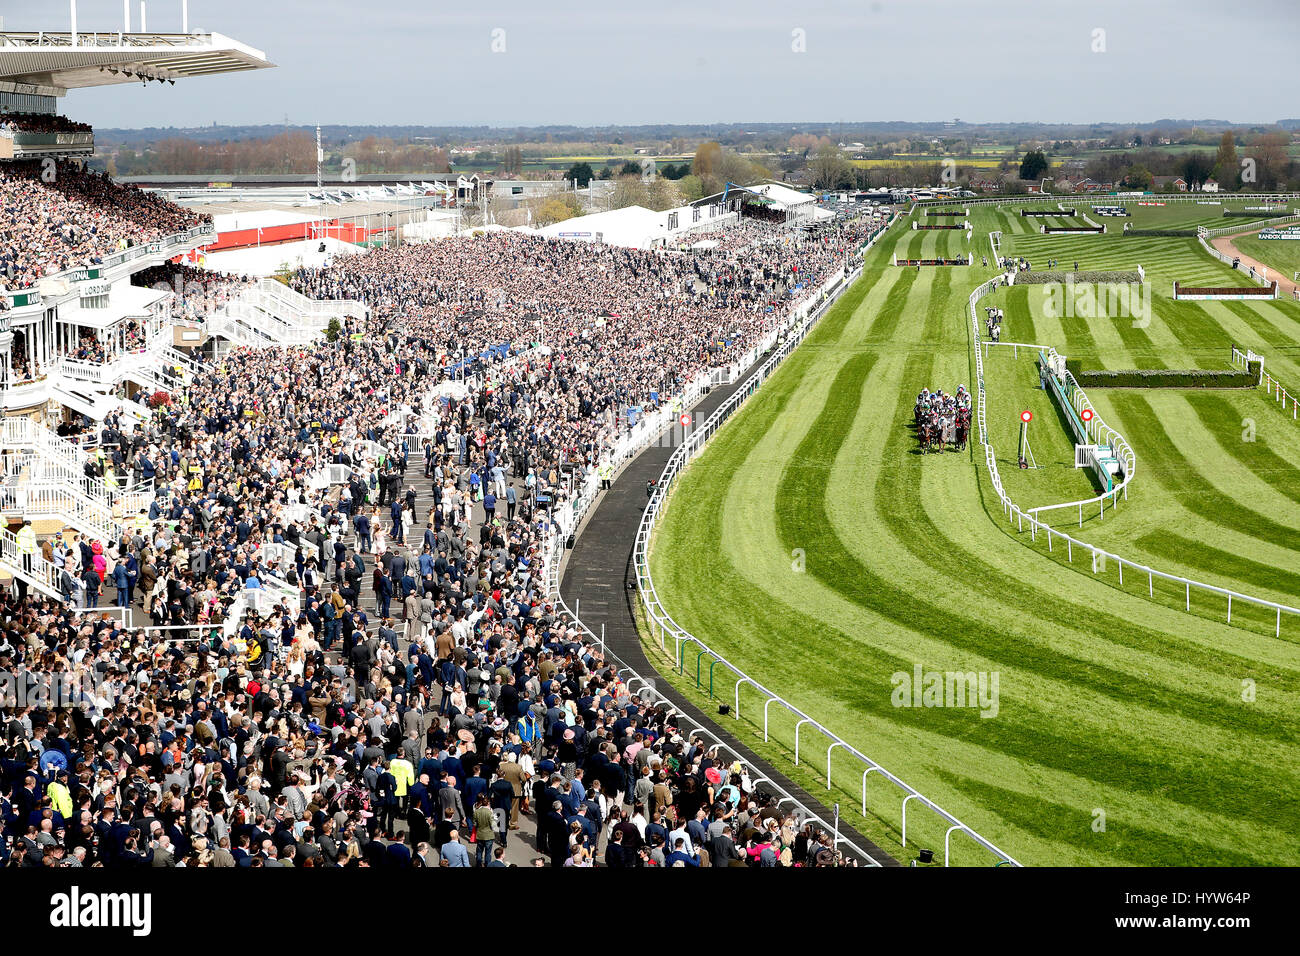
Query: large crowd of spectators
[425,693]
[66,217]
[11,123]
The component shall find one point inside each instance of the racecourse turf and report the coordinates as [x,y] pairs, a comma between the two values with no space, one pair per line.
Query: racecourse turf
[814,547]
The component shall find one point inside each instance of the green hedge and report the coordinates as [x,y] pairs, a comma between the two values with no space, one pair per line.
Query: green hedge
[1056,275]
[1168,378]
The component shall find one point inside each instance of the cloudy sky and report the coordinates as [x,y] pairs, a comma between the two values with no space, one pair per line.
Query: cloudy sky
[683,61]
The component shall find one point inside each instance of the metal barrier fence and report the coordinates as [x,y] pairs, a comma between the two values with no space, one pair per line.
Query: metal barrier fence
[1248,225]
[1227,260]
[662,625]
[1100,557]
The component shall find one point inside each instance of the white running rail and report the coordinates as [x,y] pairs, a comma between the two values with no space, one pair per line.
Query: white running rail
[663,626]
[1098,431]
[1272,387]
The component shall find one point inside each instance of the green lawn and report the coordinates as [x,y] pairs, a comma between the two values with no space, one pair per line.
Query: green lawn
[816,549]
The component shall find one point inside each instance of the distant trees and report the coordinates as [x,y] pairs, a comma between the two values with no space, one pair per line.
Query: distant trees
[659,194]
[1197,167]
[1033,165]
[1139,177]
[714,167]
[557,208]
[512,161]
[1226,170]
[708,156]
[829,168]
[1272,165]
[582,172]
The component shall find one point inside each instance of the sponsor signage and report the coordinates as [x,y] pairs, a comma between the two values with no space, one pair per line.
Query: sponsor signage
[1292,233]
[20,300]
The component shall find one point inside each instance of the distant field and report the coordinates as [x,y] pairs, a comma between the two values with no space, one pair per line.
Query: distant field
[1113,700]
[974,162]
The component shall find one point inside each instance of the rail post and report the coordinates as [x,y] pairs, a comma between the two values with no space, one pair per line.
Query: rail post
[910,796]
[805,720]
[838,743]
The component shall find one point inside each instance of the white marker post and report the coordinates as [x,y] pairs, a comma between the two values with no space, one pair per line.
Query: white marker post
[1025,418]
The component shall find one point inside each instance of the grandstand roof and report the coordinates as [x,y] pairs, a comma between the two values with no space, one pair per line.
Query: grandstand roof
[52,64]
[633,226]
[781,194]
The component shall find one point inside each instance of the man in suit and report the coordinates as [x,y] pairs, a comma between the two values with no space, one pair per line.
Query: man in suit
[511,771]
[449,797]
[553,833]
[454,853]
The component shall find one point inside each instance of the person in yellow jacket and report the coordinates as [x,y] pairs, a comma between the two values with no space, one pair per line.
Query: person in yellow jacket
[59,796]
[403,772]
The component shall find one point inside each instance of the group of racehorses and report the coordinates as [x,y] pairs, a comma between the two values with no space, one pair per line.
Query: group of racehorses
[942,420]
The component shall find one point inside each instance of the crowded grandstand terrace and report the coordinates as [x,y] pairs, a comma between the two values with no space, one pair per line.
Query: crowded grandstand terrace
[40,123]
[62,216]
[426,689]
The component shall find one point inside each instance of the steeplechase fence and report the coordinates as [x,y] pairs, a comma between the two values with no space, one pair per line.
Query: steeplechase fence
[934,262]
[1269,291]
[1101,559]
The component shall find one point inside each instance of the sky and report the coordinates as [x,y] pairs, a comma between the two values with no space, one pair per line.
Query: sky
[515,63]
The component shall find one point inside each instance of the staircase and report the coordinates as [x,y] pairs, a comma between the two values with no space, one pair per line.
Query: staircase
[311,309]
[35,570]
[51,460]
[274,314]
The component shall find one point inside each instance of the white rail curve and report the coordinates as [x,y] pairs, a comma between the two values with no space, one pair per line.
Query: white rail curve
[802,318]
[1100,557]
[1272,387]
[662,625]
